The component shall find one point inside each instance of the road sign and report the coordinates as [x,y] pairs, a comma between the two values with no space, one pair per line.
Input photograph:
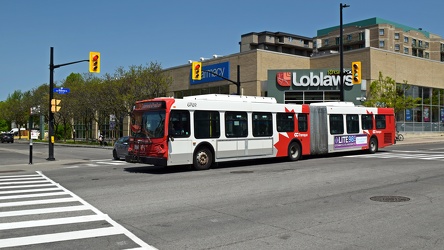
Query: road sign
[61,90]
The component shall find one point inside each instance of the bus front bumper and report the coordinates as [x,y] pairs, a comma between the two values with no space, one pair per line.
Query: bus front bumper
[147,160]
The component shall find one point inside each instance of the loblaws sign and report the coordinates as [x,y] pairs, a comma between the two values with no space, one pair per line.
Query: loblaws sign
[328,78]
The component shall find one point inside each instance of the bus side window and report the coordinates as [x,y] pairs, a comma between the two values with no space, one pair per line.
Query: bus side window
[179,124]
[206,124]
[380,121]
[302,123]
[285,122]
[262,124]
[236,124]
[367,122]
[352,122]
[336,124]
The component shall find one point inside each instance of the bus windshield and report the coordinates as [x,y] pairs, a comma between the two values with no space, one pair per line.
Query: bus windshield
[149,124]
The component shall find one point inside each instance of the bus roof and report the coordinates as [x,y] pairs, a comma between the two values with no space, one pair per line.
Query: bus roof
[333,104]
[232,98]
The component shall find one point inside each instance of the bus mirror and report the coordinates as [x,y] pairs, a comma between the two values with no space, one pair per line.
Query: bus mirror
[171,137]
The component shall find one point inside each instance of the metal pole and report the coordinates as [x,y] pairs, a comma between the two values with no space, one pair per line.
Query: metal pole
[238,80]
[30,139]
[51,115]
[341,52]
[341,57]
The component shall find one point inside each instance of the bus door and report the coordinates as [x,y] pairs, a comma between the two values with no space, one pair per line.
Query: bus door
[179,138]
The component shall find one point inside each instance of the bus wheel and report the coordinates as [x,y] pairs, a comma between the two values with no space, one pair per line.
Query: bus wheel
[202,159]
[373,146]
[294,151]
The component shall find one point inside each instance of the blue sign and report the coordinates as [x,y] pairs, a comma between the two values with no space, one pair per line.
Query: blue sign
[61,90]
[221,69]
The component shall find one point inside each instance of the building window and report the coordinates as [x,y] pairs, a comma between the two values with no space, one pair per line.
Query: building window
[397,47]
[381,44]
[361,36]
[326,41]
[337,40]
[406,39]
[396,36]
[406,50]
[427,55]
[349,37]
[290,39]
[414,42]
[381,32]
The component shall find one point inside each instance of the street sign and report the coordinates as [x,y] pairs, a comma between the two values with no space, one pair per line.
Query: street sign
[61,90]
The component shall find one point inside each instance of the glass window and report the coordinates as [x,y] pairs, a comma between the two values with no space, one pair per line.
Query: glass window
[380,121]
[206,124]
[336,124]
[367,122]
[406,50]
[179,125]
[326,41]
[406,39]
[381,32]
[302,123]
[397,36]
[285,122]
[352,122]
[397,47]
[236,124]
[262,124]
[381,44]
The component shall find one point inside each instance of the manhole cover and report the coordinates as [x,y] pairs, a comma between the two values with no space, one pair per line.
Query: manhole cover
[242,172]
[389,198]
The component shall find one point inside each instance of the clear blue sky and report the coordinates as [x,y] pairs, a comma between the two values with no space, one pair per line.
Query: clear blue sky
[136,32]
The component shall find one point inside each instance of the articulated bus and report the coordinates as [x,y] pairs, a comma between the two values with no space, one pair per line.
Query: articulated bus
[203,130]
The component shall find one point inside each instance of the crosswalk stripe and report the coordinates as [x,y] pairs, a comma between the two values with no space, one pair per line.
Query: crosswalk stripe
[43,211]
[50,222]
[20,179]
[19,176]
[27,186]
[37,202]
[28,190]
[21,182]
[56,237]
[8,197]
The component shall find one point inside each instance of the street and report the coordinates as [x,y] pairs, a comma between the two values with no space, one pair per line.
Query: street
[389,200]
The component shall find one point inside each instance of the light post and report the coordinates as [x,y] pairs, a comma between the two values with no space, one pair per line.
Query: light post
[341,52]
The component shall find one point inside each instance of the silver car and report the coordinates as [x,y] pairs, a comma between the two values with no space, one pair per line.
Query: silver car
[120,149]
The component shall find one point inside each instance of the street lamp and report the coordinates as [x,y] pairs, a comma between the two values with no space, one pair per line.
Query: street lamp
[341,52]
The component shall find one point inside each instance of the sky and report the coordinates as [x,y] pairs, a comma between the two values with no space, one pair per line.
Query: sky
[168,32]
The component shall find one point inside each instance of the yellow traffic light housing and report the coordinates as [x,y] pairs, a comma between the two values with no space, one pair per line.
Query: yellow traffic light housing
[356,72]
[94,62]
[55,105]
[196,71]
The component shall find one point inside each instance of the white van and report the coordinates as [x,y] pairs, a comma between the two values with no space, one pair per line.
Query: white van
[14,131]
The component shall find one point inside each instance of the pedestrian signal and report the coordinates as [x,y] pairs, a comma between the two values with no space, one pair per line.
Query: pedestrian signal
[196,71]
[94,62]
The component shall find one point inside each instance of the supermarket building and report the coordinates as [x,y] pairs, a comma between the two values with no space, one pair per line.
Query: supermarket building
[298,69]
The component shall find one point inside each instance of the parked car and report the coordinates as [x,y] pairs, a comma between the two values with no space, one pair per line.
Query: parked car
[120,149]
[7,137]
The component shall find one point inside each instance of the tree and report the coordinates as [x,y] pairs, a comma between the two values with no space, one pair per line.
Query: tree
[385,92]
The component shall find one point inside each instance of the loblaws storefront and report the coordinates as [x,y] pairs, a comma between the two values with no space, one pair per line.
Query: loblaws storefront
[304,86]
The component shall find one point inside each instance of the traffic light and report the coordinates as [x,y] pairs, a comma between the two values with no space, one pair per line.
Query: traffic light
[196,71]
[356,72]
[55,105]
[94,62]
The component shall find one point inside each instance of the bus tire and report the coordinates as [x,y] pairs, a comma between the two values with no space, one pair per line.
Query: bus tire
[373,145]
[202,159]
[294,151]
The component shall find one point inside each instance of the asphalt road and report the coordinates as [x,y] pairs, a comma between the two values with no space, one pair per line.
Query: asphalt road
[389,200]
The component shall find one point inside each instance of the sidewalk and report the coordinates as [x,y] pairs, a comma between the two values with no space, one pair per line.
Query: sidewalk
[412,138]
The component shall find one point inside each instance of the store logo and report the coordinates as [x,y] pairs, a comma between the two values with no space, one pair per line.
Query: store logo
[283,79]
[329,79]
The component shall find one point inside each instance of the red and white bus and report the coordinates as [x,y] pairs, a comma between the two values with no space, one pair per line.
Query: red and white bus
[206,129]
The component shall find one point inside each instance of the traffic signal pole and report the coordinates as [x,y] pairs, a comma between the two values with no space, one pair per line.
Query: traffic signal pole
[237,83]
[51,96]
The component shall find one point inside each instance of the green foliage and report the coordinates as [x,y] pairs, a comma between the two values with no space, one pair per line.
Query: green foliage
[91,99]
[384,92]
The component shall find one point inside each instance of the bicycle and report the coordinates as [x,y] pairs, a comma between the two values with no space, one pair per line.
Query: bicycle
[399,136]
